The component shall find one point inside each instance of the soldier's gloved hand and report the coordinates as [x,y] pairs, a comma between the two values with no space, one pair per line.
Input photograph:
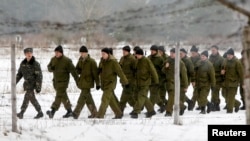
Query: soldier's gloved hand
[53,68]
[98,87]
[126,86]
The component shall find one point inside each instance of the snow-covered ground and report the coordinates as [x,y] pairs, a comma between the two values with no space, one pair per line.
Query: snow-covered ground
[194,125]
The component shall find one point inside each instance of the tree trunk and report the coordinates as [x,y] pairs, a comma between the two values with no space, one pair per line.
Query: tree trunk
[246,47]
[177,86]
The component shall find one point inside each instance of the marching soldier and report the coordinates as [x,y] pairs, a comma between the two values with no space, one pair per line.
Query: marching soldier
[154,88]
[61,67]
[30,70]
[87,68]
[190,72]
[169,71]
[128,63]
[109,69]
[217,60]
[233,77]
[144,70]
[205,79]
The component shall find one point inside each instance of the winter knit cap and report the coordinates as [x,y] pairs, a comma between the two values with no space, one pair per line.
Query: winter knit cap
[136,47]
[183,50]
[161,48]
[230,51]
[26,50]
[154,47]
[106,50]
[205,53]
[225,55]
[172,50]
[83,49]
[139,51]
[59,49]
[126,48]
[110,51]
[215,46]
[194,49]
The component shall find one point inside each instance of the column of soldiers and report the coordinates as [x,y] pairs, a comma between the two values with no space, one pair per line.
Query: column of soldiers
[139,75]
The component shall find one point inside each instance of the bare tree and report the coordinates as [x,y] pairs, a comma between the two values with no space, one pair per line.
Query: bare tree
[246,48]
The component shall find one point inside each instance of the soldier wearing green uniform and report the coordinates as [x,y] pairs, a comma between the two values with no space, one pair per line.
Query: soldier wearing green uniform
[195,57]
[87,68]
[233,75]
[30,70]
[128,63]
[154,88]
[190,72]
[109,69]
[144,70]
[205,79]
[169,71]
[217,60]
[162,87]
[61,67]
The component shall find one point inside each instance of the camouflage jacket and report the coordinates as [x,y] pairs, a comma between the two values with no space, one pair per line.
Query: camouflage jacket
[32,74]
[217,61]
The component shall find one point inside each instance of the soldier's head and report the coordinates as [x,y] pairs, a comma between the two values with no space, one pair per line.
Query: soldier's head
[58,51]
[183,52]
[172,53]
[105,53]
[194,51]
[83,51]
[204,55]
[154,49]
[161,50]
[126,50]
[139,53]
[28,52]
[230,54]
[214,50]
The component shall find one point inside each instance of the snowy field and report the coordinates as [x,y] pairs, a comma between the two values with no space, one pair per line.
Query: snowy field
[158,128]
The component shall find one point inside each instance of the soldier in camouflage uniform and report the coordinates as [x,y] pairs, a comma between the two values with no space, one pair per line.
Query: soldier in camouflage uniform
[205,79]
[195,57]
[217,60]
[30,70]
[87,68]
[144,70]
[128,63]
[233,75]
[169,71]
[62,67]
[190,72]
[109,69]
[162,87]
[157,61]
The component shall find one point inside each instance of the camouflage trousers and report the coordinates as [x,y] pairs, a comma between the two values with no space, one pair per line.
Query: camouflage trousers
[30,97]
[171,100]
[155,94]
[216,93]
[85,97]
[231,101]
[127,97]
[109,99]
[202,93]
[61,97]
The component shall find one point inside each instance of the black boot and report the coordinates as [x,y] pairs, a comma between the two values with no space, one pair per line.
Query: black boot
[203,111]
[183,110]
[20,114]
[68,114]
[162,108]
[217,107]
[243,107]
[51,113]
[134,115]
[150,114]
[168,114]
[209,107]
[190,105]
[39,115]
[118,117]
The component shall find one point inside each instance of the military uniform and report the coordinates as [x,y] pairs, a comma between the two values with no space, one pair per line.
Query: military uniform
[109,69]
[128,66]
[205,79]
[144,70]
[154,88]
[32,74]
[233,77]
[217,61]
[87,68]
[170,84]
[61,68]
